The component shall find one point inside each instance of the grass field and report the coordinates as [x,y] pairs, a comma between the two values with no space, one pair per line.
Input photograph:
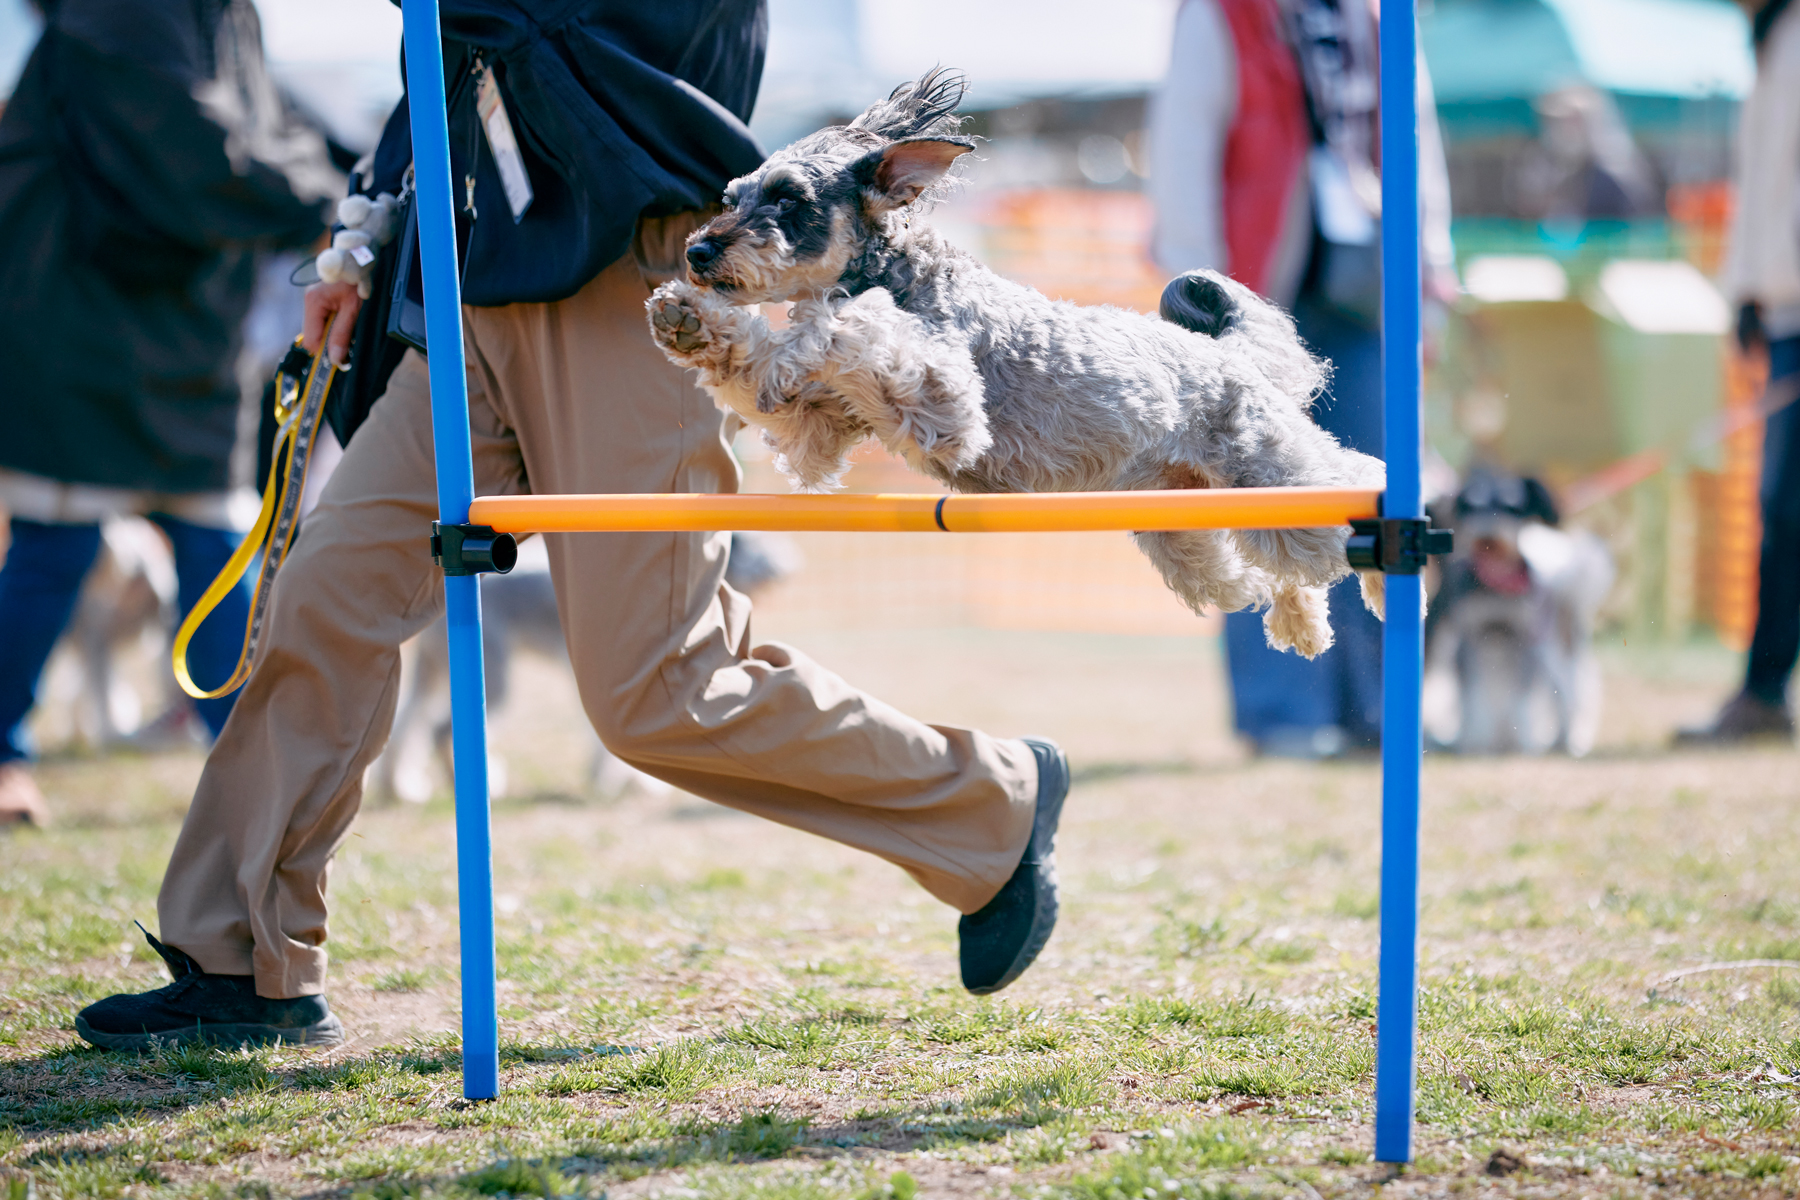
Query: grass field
[696,1004]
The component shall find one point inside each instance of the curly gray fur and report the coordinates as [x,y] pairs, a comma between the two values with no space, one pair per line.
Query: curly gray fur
[989,386]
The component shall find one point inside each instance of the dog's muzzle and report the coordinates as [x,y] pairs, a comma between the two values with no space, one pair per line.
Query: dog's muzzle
[703,254]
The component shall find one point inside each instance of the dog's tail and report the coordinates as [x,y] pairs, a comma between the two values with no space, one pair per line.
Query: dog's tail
[1207,302]
[1197,300]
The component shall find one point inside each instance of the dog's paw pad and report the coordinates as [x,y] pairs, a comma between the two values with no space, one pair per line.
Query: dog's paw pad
[676,323]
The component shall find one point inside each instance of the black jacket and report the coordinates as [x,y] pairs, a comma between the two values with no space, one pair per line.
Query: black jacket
[144,159]
[622,108]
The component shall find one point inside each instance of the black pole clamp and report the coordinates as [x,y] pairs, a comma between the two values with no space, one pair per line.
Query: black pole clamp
[1395,545]
[473,549]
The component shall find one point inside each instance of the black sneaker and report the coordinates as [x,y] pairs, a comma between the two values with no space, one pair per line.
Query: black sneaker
[1006,935]
[223,1010]
[1745,718]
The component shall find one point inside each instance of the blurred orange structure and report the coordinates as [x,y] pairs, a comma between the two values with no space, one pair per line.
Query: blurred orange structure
[1702,214]
[1076,244]
[1730,514]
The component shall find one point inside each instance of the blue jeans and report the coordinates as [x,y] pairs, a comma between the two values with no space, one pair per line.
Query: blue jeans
[1775,645]
[1278,698]
[41,582]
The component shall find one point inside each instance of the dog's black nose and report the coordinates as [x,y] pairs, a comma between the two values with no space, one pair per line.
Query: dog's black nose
[702,253]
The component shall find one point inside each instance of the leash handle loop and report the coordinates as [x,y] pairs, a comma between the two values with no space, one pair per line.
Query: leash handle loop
[272,533]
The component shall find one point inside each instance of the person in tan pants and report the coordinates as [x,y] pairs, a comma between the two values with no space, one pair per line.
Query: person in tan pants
[569,396]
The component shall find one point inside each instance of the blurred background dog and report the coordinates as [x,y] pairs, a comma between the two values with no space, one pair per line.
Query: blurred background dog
[108,685]
[1510,663]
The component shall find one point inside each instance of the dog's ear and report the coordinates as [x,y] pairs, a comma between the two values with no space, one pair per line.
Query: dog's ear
[902,171]
[1540,503]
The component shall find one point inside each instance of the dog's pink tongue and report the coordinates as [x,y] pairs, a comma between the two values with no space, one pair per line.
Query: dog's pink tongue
[1508,576]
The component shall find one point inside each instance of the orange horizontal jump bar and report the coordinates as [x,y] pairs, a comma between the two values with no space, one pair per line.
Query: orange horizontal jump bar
[1031,512]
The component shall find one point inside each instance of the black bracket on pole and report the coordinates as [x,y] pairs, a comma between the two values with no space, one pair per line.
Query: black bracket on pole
[1395,545]
[473,549]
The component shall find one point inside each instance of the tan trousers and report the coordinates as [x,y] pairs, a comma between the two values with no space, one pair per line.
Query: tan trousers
[564,397]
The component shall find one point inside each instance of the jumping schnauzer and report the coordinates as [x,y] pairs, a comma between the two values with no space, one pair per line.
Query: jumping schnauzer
[989,386]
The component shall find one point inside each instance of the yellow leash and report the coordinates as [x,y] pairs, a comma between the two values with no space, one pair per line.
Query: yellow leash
[298,407]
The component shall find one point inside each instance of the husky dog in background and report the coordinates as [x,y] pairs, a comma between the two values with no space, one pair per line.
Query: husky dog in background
[989,386]
[1510,663]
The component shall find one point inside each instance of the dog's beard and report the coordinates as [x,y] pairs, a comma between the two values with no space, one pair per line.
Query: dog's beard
[724,285]
[764,270]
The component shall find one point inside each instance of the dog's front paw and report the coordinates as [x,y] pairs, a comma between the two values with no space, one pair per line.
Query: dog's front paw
[676,320]
[773,397]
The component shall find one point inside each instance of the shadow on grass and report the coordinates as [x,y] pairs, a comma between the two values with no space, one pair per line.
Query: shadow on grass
[80,1088]
[617,1153]
[1189,1161]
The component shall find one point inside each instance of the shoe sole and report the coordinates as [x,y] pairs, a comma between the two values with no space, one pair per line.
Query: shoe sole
[1043,924]
[1704,741]
[329,1032]
[1043,921]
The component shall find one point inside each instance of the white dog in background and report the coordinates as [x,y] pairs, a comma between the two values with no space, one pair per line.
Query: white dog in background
[1510,664]
[107,684]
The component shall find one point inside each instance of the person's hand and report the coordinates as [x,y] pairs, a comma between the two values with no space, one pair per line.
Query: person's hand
[1750,333]
[325,300]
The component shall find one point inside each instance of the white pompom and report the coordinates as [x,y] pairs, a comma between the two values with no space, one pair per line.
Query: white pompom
[349,239]
[352,211]
[382,220]
[331,264]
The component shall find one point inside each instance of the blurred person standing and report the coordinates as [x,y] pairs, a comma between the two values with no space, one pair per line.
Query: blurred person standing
[1762,275]
[1264,162]
[145,160]
[1584,165]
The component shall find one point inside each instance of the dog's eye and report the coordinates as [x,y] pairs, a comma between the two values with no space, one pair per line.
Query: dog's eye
[785,205]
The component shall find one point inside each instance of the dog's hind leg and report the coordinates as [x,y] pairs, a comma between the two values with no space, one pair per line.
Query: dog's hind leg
[1299,620]
[1251,436]
[1203,568]
[1373,585]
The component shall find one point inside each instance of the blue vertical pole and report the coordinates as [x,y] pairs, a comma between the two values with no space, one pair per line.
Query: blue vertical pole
[1403,651]
[462,595]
